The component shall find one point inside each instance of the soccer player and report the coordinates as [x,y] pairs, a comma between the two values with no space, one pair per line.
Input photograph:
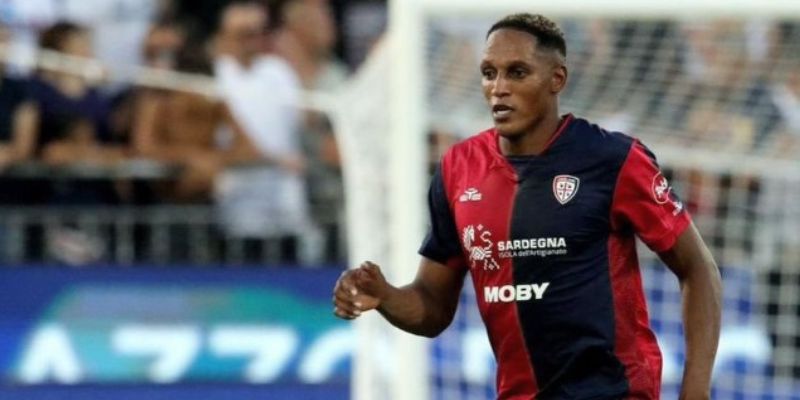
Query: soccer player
[542,211]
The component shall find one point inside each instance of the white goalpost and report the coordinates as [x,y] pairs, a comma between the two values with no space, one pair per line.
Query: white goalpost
[639,66]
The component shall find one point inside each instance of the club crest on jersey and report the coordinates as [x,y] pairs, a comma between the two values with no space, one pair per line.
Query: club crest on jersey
[661,189]
[565,187]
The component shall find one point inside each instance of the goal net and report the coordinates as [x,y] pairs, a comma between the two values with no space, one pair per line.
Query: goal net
[712,88]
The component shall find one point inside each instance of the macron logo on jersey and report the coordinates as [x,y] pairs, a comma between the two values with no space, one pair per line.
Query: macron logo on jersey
[509,293]
[471,194]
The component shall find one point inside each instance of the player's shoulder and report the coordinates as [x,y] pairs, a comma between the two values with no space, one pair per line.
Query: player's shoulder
[473,154]
[600,141]
[477,148]
[481,142]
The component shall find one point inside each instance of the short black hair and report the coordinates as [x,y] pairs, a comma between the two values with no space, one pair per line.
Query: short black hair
[55,36]
[277,9]
[193,58]
[546,32]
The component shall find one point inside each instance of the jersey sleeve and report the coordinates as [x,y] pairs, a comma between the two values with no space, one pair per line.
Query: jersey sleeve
[441,244]
[645,202]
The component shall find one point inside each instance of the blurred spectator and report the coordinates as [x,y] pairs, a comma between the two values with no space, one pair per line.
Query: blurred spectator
[72,119]
[305,36]
[162,43]
[459,44]
[73,115]
[785,97]
[720,79]
[200,17]
[262,92]
[17,117]
[716,53]
[159,51]
[363,24]
[17,132]
[786,94]
[116,28]
[183,128]
[26,18]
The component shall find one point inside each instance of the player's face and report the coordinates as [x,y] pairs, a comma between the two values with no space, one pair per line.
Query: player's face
[520,82]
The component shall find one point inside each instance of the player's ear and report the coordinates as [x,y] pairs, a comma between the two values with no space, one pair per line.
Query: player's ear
[559,79]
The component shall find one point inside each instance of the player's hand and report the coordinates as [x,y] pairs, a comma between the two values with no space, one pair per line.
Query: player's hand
[358,290]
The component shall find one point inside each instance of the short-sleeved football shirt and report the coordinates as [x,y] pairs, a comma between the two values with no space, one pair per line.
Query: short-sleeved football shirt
[549,242]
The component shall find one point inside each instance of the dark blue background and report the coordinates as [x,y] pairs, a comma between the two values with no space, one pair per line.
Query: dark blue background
[27,292]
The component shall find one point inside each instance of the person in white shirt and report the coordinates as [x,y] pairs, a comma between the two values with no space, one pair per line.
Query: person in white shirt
[262,92]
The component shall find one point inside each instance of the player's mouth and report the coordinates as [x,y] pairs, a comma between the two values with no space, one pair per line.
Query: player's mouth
[501,112]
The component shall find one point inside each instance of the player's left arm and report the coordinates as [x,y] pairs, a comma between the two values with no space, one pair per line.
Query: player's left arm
[645,202]
[701,289]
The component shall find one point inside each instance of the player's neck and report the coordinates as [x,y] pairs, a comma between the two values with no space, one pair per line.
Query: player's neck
[533,142]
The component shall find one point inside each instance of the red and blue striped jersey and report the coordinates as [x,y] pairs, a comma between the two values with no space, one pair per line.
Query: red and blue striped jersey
[549,241]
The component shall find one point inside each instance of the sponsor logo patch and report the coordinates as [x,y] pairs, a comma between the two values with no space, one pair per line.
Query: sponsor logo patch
[511,293]
[483,251]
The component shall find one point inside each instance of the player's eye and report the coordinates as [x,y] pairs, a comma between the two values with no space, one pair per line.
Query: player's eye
[517,73]
[488,73]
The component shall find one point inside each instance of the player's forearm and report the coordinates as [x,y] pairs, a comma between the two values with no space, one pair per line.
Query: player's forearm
[702,298]
[411,309]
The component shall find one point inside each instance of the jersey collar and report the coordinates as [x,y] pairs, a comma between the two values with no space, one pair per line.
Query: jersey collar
[566,120]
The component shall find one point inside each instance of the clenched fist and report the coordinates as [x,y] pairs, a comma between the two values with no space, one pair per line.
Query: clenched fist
[358,290]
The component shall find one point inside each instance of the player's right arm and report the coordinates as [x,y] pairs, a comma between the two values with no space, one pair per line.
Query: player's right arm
[424,307]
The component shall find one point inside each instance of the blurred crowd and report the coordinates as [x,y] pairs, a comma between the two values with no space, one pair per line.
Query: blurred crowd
[719,84]
[728,90]
[270,166]
[726,85]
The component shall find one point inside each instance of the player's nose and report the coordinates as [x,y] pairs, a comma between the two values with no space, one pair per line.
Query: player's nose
[500,87]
